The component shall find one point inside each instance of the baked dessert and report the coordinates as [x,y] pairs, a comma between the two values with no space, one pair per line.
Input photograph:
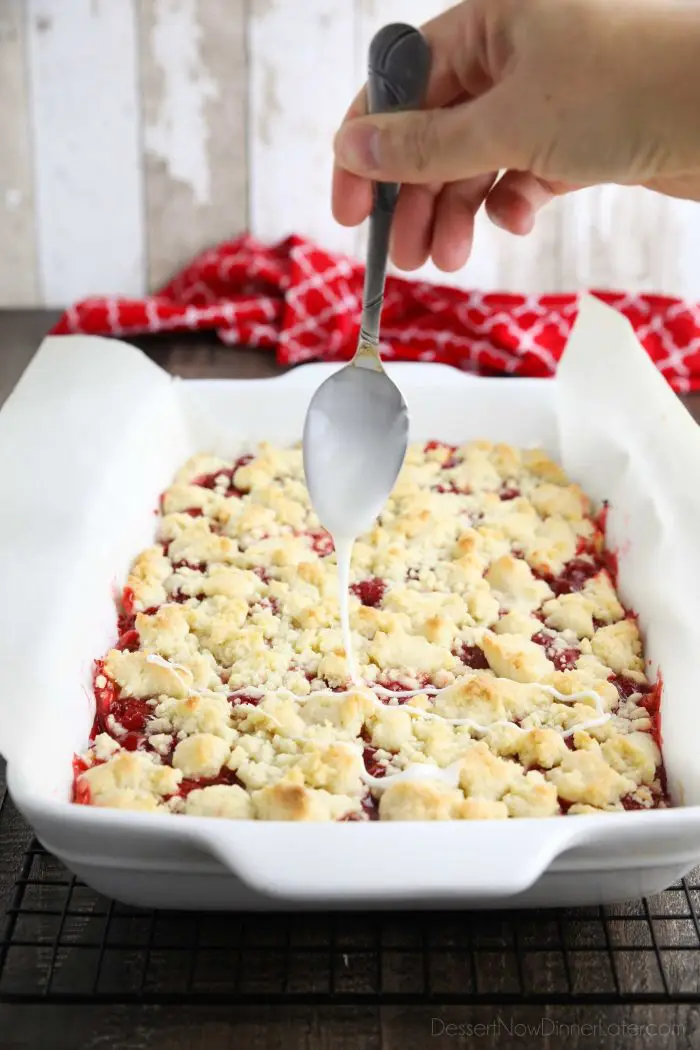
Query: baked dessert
[501,675]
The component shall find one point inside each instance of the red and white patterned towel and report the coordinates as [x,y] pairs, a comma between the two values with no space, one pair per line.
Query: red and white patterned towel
[304,303]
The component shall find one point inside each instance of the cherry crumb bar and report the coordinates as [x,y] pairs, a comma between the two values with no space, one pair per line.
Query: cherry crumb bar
[484,592]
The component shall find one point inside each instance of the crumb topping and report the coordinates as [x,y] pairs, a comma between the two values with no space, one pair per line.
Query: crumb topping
[493,650]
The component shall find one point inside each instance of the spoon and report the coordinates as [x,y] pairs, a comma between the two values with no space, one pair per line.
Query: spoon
[356,428]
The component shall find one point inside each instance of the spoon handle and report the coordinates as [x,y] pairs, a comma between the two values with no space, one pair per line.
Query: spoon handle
[399,66]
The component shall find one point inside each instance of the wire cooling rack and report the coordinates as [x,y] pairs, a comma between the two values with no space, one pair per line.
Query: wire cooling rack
[62,942]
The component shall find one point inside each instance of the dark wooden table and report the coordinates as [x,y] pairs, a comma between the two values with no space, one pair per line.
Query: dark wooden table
[118,1026]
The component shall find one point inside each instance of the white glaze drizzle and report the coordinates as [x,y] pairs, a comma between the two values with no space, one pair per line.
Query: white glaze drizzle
[343,554]
[586,694]
[160,661]
[416,771]
[343,549]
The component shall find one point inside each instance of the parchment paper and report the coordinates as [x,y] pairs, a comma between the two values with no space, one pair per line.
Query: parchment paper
[94,432]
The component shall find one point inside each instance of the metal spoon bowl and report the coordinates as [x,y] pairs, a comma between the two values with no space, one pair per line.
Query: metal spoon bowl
[354,445]
[356,429]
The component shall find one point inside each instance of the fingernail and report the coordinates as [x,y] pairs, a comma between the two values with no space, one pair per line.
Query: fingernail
[358,147]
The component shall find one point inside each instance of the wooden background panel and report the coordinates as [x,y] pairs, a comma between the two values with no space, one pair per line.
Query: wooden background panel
[18,284]
[84,105]
[135,133]
[302,78]
[631,238]
[503,262]
[193,82]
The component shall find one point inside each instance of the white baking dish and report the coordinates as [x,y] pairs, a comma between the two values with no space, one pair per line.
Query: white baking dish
[92,435]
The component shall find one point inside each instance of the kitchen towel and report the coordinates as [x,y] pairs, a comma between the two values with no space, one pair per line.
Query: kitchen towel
[304,303]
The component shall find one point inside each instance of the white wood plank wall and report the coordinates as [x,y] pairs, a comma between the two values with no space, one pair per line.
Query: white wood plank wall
[134,133]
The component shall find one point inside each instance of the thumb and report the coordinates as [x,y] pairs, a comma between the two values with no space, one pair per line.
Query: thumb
[438,145]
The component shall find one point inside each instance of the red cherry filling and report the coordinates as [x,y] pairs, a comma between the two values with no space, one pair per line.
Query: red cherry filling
[133,741]
[472,656]
[178,597]
[369,811]
[128,641]
[370,592]
[242,461]
[242,697]
[373,767]
[508,493]
[81,792]
[432,446]
[630,803]
[371,807]
[106,694]
[126,622]
[226,776]
[194,566]
[128,712]
[126,614]
[321,543]
[393,685]
[209,481]
[563,659]
[651,702]
[450,462]
[573,576]
[626,687]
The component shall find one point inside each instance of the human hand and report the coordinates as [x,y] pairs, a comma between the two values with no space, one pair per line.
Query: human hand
[557,94]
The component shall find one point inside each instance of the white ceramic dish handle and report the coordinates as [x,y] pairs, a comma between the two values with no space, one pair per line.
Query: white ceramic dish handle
[344,862]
